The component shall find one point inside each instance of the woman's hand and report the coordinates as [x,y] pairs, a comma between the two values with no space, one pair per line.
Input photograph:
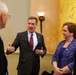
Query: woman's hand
[65,70]
[57,71]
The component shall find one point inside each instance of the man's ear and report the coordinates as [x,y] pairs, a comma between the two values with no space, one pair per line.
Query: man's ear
[3,16]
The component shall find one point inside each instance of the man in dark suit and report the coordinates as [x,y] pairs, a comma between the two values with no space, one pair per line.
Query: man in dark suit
[3,19]
[29,58]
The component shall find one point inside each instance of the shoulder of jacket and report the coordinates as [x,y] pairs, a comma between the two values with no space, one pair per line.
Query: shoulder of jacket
[38,34]
[22,32]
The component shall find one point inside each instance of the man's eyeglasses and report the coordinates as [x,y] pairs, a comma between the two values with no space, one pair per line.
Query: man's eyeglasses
[9,16]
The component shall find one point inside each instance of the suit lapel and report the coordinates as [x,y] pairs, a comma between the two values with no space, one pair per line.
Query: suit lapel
[38,37]
[26,38]
[1,45]
[39,40]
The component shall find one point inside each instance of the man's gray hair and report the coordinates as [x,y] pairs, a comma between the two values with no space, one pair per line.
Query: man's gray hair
[3,7]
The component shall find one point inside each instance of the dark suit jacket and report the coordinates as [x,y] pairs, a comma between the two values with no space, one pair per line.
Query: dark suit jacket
[3,61]
[28,60]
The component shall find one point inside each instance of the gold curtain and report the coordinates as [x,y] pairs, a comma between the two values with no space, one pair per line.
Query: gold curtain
[67,13]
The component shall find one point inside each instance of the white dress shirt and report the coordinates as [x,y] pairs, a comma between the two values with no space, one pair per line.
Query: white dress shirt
[35,40]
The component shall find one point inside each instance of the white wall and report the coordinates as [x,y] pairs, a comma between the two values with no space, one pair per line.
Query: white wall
[19,11]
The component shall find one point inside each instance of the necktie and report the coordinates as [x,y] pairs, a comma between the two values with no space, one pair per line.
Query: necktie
[31,41]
